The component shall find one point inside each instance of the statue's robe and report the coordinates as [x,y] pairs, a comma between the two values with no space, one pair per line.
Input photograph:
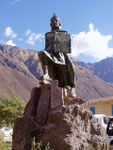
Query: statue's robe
[57,65]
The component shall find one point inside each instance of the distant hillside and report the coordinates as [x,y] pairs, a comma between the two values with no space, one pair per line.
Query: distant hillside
[102,69]
[91,86]
[20,70]
[15,75]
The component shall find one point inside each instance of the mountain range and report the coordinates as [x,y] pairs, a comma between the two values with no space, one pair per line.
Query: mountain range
[102,69]
[20,70]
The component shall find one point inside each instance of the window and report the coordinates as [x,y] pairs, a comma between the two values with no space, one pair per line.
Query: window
[112,109]
[92,109]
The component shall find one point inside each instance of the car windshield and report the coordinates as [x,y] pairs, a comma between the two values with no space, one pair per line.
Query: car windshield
[111,124]
[110,128]
[106,120]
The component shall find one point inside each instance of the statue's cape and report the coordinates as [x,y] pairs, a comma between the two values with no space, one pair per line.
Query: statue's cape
[57,58]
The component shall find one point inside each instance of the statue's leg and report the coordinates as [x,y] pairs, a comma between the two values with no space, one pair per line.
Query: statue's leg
[70,71]
[70,76]
[47,66]
[60,74]
[44,61]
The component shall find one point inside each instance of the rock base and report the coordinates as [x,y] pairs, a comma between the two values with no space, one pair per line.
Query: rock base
[54,115]
[72,128]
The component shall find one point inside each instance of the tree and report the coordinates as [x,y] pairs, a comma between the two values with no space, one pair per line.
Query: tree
[10,109]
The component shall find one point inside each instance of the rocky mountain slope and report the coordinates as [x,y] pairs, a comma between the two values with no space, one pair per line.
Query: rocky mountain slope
[15,75]
[20,69]
[103,69]
[91,86]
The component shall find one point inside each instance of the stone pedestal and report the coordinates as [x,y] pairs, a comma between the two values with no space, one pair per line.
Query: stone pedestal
[72,128]
[24,131]
[31,107]
[57,116]
[57,98]
[34,118]
[43,105]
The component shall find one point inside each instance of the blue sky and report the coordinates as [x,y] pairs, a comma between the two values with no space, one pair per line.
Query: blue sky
[90,22]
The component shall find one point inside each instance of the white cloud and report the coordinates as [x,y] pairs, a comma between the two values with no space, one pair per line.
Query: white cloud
[28,32]
[10,42]
[10,33]
[15,1]
[20,39]
[91,43]
[33,37]
[1,41]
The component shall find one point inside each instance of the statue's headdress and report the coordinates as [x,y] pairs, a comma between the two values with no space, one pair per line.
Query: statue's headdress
[55,18]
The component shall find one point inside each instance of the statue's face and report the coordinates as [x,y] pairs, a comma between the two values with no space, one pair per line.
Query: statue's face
[55,24]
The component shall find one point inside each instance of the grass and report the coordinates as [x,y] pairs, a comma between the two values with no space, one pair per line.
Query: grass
[5,145]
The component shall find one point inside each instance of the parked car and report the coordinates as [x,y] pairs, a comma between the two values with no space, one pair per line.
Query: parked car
[109,133]
[107,123]
[102,119]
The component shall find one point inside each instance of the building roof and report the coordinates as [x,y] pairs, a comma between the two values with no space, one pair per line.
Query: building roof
[102,99]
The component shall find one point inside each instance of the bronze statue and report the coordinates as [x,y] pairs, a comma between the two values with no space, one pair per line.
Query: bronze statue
[55,62]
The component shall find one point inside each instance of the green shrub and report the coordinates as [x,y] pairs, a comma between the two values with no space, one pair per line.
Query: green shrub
[39,146]
[4,145]
[10,109]
[101,146]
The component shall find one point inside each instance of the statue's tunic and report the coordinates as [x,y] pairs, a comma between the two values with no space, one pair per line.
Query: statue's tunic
[55,61]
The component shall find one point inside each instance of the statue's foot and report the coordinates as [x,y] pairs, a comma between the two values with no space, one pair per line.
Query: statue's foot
[69,92]
[73,92]
[45,79]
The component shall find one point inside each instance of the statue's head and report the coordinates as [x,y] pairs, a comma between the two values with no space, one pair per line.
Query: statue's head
[55,23]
